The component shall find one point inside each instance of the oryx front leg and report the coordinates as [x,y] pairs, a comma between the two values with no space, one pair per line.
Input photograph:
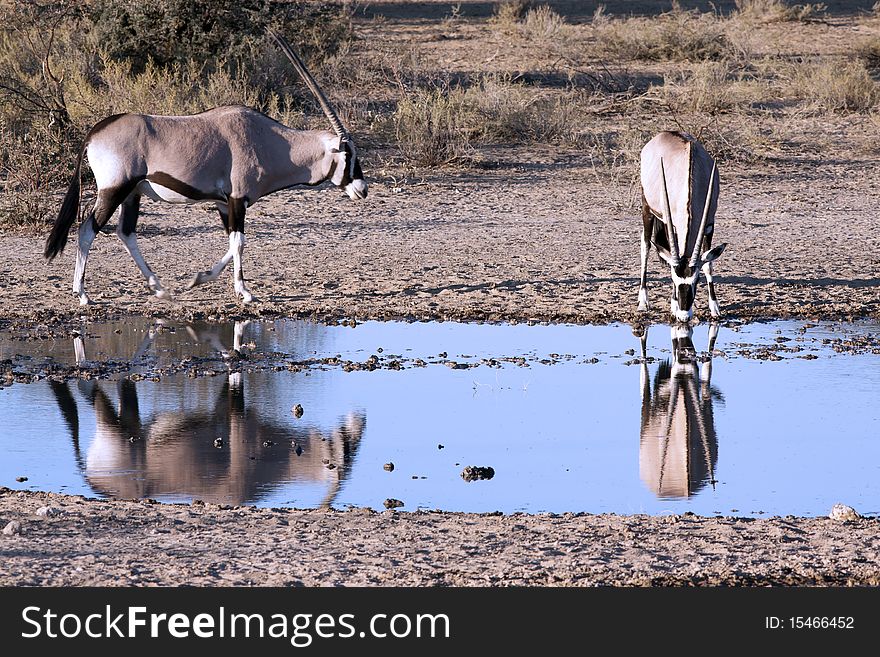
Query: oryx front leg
[232,214]
[125,231]
[236,245]
[714,308]
[647,230]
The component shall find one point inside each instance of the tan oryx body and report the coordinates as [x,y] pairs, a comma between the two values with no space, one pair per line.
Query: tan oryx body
[679,199]
[231,156]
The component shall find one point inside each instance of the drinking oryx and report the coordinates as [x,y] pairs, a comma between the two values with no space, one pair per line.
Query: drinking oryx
[231,156]
[679,199]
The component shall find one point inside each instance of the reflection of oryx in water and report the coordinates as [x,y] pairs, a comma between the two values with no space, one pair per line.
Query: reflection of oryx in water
[678,450]
[225,452]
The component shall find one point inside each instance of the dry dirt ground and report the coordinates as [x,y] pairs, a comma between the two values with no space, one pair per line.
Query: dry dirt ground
[127,543]
[541,236]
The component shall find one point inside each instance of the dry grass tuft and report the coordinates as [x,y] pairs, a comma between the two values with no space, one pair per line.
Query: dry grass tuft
[777,11]
[677,35]
[832,87]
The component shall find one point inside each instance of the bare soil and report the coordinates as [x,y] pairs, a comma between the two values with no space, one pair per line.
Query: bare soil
[137,543]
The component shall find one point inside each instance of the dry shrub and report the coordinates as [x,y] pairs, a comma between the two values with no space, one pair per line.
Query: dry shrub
[834,87]
[542,24]
[777,11]
[435,126]
[677,35]
[534,25]
[869,53]
[706,87]
[508,14]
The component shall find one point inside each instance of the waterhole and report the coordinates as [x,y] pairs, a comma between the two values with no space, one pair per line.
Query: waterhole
[735,419]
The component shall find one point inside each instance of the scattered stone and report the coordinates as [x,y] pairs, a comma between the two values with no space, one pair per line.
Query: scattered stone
[476,473]
[48,511]
[12,528]
[218,442]
[843,513]
[331,466]
[390,503]
[298,411]
[267,443]
[388,467]
[440,446]
[298,450]
[21,479]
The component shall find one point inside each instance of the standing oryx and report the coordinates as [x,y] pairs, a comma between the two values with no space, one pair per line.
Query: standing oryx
[230,155]
[679,199]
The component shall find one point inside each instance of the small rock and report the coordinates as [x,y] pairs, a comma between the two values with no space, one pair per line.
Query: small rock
[843,513]
[388,467]
[476,472]
[390,503]
[218,442]
[48,511]
[21,479]
[12,528]
[440,446]
[298,411]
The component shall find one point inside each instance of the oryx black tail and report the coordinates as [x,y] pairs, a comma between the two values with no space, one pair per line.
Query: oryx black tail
[69,212]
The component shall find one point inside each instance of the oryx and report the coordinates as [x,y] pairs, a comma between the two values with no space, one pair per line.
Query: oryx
[231,156]
[679,199]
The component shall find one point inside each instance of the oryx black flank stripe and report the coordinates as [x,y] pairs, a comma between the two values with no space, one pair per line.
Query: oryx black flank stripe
[180,187]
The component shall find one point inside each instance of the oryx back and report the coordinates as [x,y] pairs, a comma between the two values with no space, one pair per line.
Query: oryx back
[688,167]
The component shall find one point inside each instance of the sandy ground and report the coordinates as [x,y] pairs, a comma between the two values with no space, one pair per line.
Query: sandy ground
[87,542]
[544,241]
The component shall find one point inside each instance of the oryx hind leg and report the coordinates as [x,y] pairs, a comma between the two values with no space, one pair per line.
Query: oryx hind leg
[647,231]
[125,230]
[105,205]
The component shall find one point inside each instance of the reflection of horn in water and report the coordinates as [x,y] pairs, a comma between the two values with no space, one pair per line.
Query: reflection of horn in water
[678,448]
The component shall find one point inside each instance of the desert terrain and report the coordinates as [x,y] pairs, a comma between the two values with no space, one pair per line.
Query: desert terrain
[514,231]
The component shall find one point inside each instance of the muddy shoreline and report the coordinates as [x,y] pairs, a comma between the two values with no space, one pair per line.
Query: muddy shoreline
[75,541]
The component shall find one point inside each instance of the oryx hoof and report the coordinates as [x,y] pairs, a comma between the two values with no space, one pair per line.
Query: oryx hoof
[714,309]
[246,297]
[163,294]
[198,279]
[84,300]
[644,306]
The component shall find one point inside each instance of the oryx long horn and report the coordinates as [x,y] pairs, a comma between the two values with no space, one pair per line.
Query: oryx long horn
[698,244]
[667,218]
[310,83]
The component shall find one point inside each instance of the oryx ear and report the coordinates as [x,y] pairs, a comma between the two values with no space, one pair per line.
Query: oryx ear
[713,253]
[664,253]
